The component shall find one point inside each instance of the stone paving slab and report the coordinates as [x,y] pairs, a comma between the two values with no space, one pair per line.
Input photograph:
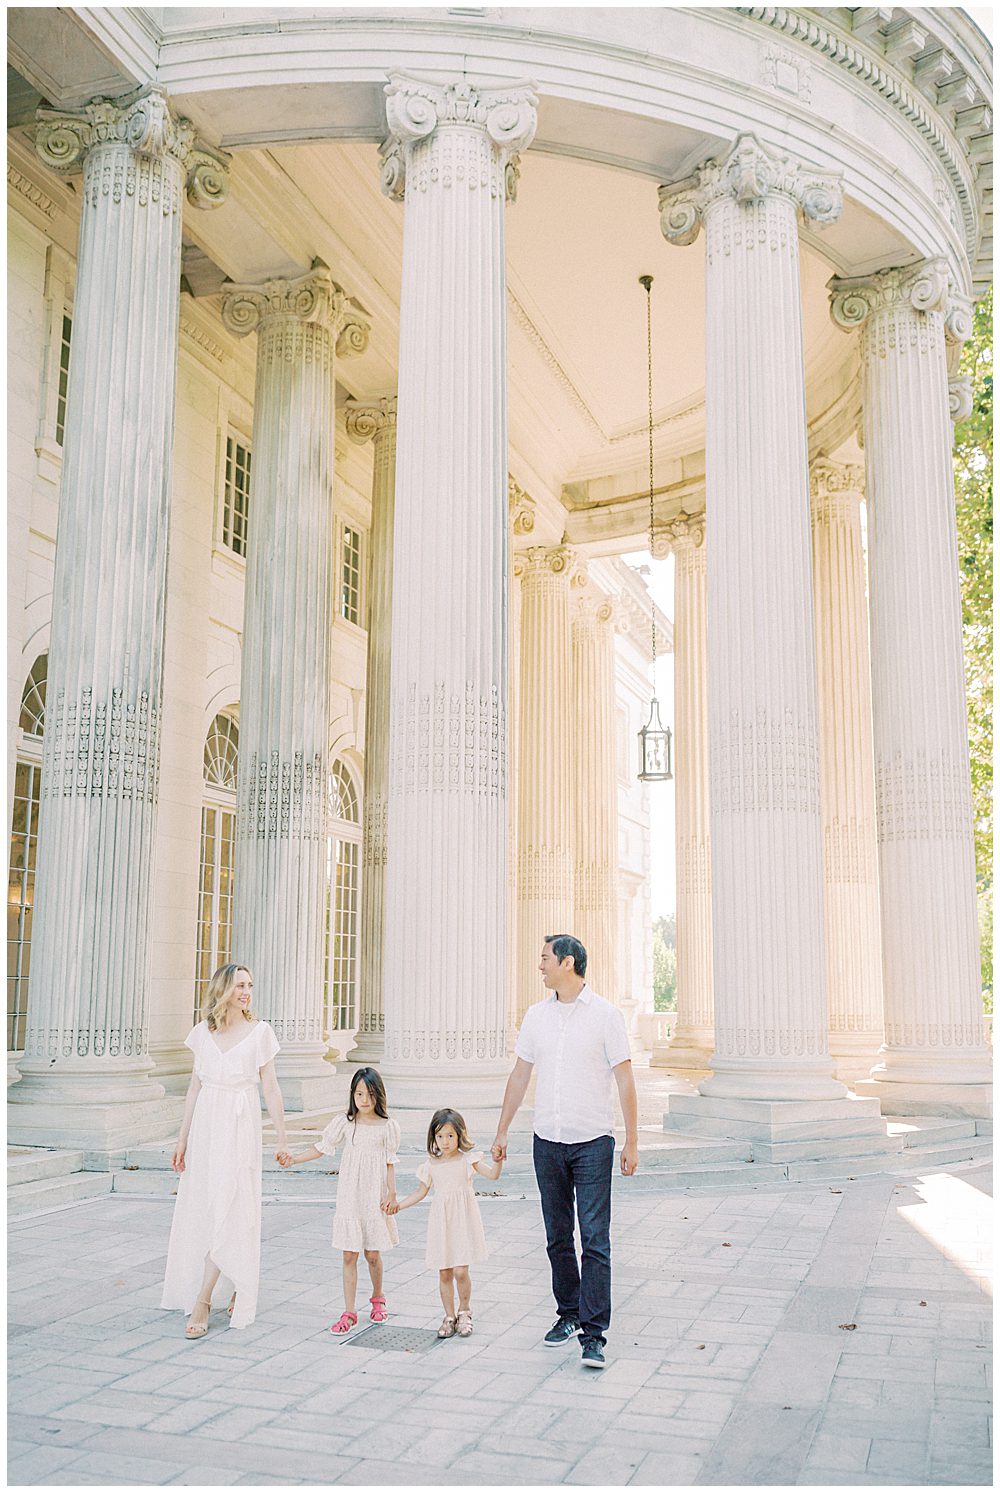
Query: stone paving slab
[804,1335]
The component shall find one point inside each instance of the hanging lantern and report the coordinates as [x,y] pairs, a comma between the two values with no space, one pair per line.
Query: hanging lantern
[655,737]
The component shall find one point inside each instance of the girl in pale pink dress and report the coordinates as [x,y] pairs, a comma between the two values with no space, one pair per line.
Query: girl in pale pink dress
[367,1180]
[455,1238]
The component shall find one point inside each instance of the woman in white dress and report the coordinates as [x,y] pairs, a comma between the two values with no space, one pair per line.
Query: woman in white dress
[216,1226]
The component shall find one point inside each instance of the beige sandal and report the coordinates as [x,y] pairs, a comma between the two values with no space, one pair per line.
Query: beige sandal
[447,1328]
[193,1331]
[464,1328]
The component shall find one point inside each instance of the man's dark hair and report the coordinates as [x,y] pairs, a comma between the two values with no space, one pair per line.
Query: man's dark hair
[565,946]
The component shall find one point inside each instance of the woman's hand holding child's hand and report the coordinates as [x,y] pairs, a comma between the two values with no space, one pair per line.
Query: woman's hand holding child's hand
[284,1158]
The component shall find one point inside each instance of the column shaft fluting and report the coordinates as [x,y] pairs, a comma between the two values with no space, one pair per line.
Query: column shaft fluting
[377,423]
[282,820]
[767,887]
[934,1038]
[595,787]
[545,816]
[694,1034]
[86,1065]
[847,776]
[447,823]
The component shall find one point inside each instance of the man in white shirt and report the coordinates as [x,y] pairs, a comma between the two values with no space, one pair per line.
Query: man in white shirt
[578,1042]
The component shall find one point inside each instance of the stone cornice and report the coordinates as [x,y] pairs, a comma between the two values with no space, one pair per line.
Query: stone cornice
[749,172]
[312,297]
[144,124]
[416,107]
[27,189]
[369,420]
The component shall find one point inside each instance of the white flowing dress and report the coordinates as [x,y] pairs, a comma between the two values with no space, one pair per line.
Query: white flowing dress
[217,1212]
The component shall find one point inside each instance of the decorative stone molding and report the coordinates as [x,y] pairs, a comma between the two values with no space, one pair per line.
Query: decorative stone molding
[920,287]
[521,508]
[200,338]
[366,422]
[787,72]
[143,124]
[30,192]
[751,172]
[560,560]
[960,397]
[312,299]
[830,482]
[415,108]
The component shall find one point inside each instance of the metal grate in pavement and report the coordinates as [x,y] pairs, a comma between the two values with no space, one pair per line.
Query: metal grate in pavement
[399,1339]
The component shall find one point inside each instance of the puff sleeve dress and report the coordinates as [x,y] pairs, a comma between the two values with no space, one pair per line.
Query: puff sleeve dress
[455,1229]
[359,1222]
[217,1213]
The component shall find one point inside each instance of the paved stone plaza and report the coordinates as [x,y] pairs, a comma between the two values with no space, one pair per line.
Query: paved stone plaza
[728,1360]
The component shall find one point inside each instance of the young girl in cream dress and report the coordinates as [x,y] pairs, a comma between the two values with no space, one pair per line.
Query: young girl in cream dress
[367,1180]
[216,1224]
[455,1238]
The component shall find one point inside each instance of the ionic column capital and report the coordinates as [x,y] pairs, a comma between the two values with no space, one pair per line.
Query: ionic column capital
[520,508]
[748,173]
[834,487]
[415,108]
[960,397]
[142,123]
[919,287]
[371,421]
[686,531]
[561,561]
[314,297]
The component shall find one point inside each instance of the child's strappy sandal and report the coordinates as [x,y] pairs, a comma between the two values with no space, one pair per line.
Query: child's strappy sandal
[344,1323]
[447,1328]
[464,1328]
[378,1312]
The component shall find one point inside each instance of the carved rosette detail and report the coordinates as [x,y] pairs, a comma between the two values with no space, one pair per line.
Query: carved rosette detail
[920,287]
[415,108]
[314,297]
[366,422]
[142,124]
[749,173]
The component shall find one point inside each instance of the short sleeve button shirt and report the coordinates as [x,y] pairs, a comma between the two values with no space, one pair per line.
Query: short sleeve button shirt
[574,1045]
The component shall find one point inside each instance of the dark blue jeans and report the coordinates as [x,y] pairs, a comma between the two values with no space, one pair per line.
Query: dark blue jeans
[581,1290]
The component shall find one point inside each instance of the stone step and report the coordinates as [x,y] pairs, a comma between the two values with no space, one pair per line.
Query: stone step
[56,1192]
[923,1130]
[976,1148]
[35,1163]
[828,1148]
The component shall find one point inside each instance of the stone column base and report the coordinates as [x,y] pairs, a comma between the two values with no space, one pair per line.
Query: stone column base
[973,1101]
[453,1085]
[772,1079]
[173,1066]
[690,1047]
[854,1054]
[368,1050]
[89,1108]
[307,1081]
[785,1130]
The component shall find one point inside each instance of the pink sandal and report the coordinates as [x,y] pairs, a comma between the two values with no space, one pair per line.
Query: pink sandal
[378,1311]
[344,1323]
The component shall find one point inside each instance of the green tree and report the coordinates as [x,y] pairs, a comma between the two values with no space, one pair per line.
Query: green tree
[974,510]
[665,963]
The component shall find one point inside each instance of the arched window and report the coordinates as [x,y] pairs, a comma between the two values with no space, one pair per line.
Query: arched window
[343,902]
[23,847]
[218,852]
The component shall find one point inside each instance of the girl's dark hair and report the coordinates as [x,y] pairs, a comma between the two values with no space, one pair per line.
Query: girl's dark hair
[372,1079]
[444,1117]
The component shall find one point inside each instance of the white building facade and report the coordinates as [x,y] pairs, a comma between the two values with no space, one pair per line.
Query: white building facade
[326,436]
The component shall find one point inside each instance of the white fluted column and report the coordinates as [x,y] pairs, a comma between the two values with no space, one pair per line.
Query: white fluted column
[595,788]
[693,1038]
[847,774]
[767,879]
[376,423]
[935,1057]
[280,899]
[451,156]
[85,1075]
[545,813]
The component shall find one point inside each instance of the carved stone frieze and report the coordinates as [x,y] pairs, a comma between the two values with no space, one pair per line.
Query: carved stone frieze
[751,172]
[144,129]
[416,107]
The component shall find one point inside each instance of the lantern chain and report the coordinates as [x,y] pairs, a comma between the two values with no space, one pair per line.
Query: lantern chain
[647,282]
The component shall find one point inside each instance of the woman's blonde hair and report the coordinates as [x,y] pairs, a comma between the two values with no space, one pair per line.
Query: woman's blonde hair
[220,988]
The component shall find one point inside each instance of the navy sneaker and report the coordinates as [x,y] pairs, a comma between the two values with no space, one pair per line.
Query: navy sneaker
[562,1331]
[592,1356]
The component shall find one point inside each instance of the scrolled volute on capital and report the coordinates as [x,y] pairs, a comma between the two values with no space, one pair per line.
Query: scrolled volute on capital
[312,297]
[960,398]
[747,174]
[141,122]
[921,287]
[364,422]
[415,107]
